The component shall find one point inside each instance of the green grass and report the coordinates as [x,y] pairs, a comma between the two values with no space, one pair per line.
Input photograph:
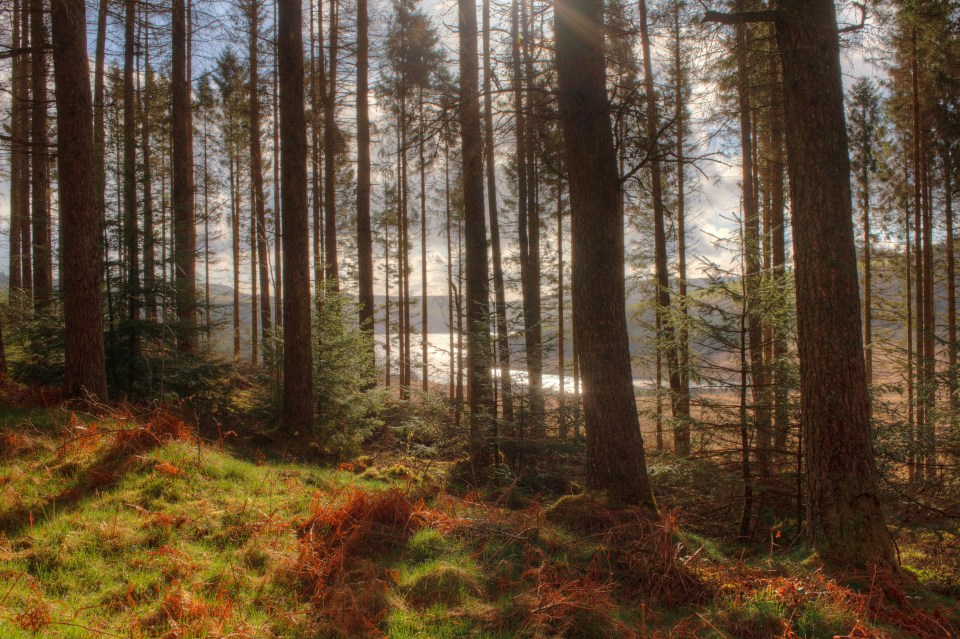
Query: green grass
[175,540]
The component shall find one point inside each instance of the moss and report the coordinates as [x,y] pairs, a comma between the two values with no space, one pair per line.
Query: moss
[582,513]
[427,544]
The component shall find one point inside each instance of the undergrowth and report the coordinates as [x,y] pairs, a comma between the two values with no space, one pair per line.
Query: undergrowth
[125,524]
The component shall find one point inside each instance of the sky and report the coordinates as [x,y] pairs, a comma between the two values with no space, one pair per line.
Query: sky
[712,206]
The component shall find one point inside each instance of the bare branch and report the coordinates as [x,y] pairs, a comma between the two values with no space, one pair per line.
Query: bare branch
[740,17]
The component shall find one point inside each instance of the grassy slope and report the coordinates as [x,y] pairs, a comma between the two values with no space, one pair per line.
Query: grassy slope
[107,534]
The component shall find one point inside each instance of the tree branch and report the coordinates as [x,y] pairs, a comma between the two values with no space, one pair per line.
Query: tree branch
[863,20]
[740,17]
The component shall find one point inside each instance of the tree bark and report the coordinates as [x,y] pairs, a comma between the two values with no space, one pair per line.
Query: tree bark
[679,401]
[330,150]
[184,227]
[615,456]
[256,169]
[40,179]
[364,233]
[130,223]
[297,340]
[84,372]
[482,436]
[845,522]
[499,290]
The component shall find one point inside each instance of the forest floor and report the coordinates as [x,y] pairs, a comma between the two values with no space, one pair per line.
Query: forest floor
[115,526]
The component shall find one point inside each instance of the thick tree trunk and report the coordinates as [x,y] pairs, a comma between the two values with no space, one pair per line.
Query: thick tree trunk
[845,522]
[40,178]
[951,290]
[297,340]
[482,435]
[277,217]
[84,373]
[184,227]
[615,456]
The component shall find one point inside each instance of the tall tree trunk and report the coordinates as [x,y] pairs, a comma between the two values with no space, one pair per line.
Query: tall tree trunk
[530,262]
[40,208]
[751,248]
[918,255]
[683,336]
[364,233]
[149,242]
[26,228]
[561,328]
[84,371]
[254,300]
[277,217]
[130,226]
[317,77]
[450,313]
[424,306]
[615,456]
[256,169]
[781,416]
[235,248]
[482,436]
[867,281]
[330,150]
[929,325]
[184,227]
[679,402]
[18,132]
[951,290]
[845,522]
[499,289]
[297,340]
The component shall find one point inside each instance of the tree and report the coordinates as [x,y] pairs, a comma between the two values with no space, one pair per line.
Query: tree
[184,228]
[259,238]
[40,158]
[864,130]
[615,456]
[482,433]
[85,372]
[297,342]
[131,240]
[364,232]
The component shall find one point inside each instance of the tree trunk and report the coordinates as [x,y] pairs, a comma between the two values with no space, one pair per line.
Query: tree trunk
[40,179]
[330,149]
[235,247]
[84,372]
[26,231]
[256,169]
[17,155]
[482,435]
[951,290]
[424,306]
[130,226]
[364,233]
[679,401]
[149,242]
[277,217]
[184,228]
[615,456]
[297,340]
[499,289]
[751,249]
[845,522]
